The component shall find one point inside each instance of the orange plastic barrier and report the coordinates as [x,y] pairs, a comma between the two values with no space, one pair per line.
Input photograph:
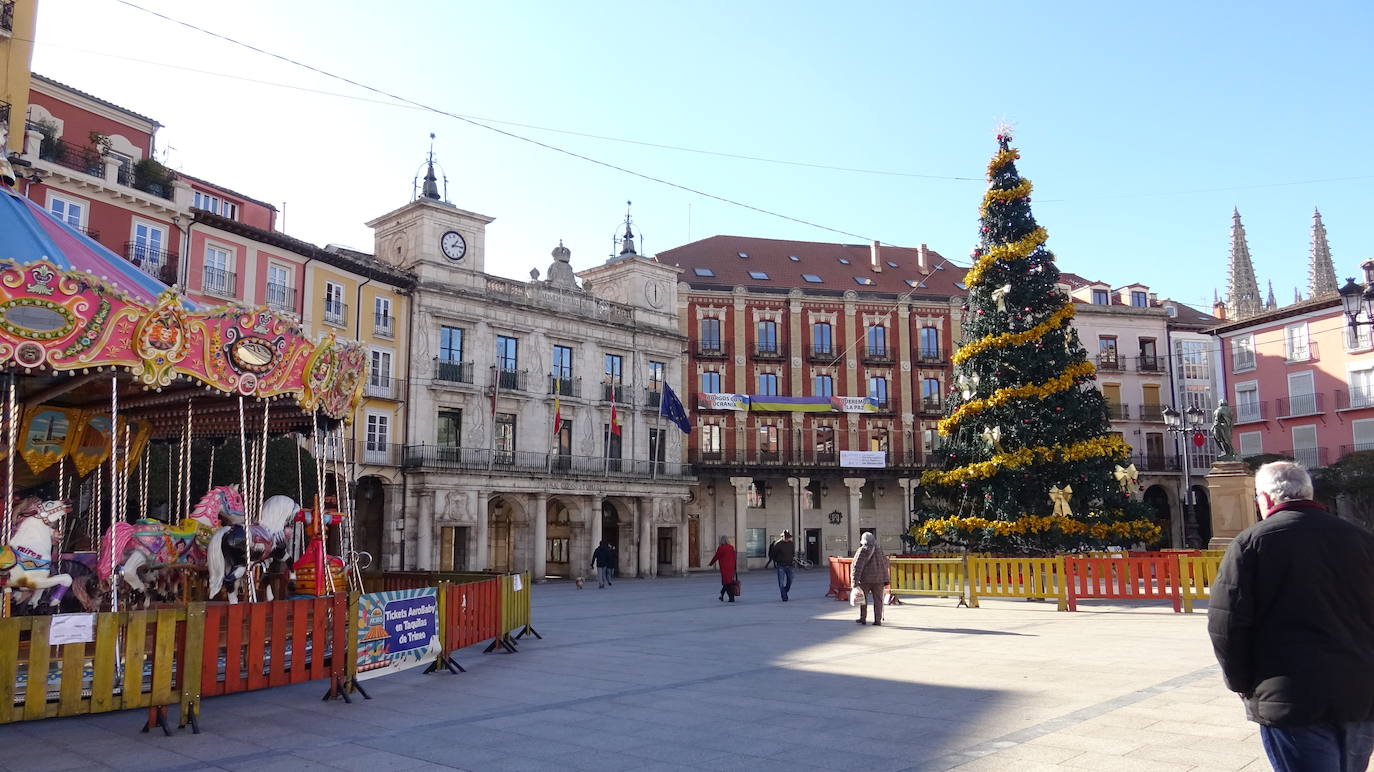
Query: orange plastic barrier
[261,645]
[840,578]
[1124,578]
[472,613]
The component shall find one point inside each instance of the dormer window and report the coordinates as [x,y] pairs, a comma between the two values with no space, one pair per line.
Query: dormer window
[760,275]
[812,278]
[1139,299]
[844,261]
[794,258]
[864,280]
[1101,297]
[707,272]
[744,255]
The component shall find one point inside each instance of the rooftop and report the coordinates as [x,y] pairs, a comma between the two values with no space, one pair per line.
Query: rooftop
[346,259]
[50,82]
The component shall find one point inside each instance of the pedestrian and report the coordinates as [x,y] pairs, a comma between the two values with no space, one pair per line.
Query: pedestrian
[614,568]
[869,573]
[602,560]
[725,557]
[783,554]
[1291,618]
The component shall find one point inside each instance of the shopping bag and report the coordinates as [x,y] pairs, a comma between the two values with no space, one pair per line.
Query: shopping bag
[735,587]
[856,597]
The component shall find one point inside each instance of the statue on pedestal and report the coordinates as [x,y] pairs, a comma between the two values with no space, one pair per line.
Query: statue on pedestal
[1223,423]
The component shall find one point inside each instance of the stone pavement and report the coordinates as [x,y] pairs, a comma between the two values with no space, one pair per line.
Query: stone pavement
[656,674]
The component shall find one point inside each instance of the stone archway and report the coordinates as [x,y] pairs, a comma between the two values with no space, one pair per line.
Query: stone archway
[612,518]
[500,534]
[558,559]
[369,527]
[1156,497]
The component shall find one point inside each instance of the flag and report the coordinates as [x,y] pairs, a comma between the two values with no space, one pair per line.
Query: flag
[671,408]
[557,409]
[615,422]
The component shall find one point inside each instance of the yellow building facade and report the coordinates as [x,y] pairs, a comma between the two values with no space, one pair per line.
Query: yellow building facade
[18,21]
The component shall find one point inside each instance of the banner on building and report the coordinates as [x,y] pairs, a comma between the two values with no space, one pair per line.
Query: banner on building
[769,403]
[397,630]
[709,401]
[854,404]
[864,459]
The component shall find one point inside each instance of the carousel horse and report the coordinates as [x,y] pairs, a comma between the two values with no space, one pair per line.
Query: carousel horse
[228,560]
[27,558]
[153,545]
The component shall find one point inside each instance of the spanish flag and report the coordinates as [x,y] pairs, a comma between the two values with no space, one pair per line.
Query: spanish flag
[557,408]
[615,421]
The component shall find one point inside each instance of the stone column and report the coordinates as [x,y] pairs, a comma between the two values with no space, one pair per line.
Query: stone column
[909,488]
[110,169]
[854,484]
[541,537]
[648,537]
[741,485]
[593,529]
[424,533]
[1231,487]
[477,504]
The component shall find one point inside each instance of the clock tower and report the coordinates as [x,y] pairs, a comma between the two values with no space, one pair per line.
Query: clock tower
[430,236]
[633,279]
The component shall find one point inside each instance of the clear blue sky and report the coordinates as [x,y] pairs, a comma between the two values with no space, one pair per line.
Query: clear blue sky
[1129,118]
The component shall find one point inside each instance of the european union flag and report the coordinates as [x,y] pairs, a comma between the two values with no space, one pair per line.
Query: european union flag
[671,408]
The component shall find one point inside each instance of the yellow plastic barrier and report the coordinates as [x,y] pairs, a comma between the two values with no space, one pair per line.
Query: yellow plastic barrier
[930,577]
[1196,576]
[1017,578]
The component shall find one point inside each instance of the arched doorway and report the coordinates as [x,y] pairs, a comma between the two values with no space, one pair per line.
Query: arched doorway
[610,529]
[1202,514]
[558,547]
[499,532]
[1157,499]
[369,529]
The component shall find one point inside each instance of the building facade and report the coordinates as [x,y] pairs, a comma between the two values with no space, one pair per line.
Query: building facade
[18,19]
[533,429]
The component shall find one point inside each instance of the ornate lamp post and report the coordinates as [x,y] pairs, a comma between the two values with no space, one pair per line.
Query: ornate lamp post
[1354,299]
[1190,426]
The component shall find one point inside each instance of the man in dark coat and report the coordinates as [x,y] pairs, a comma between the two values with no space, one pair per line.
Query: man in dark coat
[783,553]
[602,559]
[1291,618]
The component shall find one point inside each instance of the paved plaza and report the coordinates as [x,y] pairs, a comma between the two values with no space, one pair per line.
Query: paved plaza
[656,674]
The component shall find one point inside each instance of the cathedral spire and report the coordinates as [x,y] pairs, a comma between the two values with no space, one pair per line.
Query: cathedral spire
[1270,303]
[1321,270]
[1242,289]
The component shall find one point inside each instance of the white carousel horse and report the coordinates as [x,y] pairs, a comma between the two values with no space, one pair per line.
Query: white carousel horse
[226,553]
[27,558]
[153,545]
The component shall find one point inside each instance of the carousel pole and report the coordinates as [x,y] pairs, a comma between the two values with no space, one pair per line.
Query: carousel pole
[347,534]
[186,465]
[110,532]
[243,475]
[11,426]
[143,481]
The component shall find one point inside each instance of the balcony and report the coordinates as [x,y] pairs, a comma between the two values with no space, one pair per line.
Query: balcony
[1118,412]
[1149,363]
[823,353]
[364,451]
[613,392]
[877,355]
[63,153]
[769,351]
[384,325]
[1157,462]
[557,464]
[1242,361]
[1305,351]
[884,405]
[1354,399]
[1312,458]
[217,282]
[130,177]
[1251,412]
[452,371]
[335,312]
[712,349]
[1360,447]
[7,16]
[565,386]
[653,397]
[152,261]
[1152,413]
[930,355]
[1108,362]
[931,406]
[281,297]
[1296,405]
[510,379]
[384,387]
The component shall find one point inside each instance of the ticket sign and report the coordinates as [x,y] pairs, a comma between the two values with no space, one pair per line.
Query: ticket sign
[398,630]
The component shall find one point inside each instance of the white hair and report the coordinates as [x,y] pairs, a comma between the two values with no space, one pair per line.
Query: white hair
[724,540]
[867,538]
[1283,481]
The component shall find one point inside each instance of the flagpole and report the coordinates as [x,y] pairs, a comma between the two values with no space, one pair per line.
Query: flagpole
[495,393]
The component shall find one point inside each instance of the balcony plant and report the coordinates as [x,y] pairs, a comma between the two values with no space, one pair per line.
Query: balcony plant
[47,148]
[101,142]
[150,176]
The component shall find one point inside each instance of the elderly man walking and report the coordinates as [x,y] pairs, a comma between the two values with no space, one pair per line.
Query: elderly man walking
[1291,618]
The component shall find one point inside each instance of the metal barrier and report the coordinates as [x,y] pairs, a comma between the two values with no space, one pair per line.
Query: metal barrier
[1038,578]
[515,612]
[1122,579]
[931,577]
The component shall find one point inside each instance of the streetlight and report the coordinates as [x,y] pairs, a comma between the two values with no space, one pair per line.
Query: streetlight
[1190,424]
[1355,299]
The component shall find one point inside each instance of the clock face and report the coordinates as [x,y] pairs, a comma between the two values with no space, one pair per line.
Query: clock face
[654,293]
[453,245]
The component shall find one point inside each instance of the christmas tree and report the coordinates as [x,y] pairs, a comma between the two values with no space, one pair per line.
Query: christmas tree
[1029,463]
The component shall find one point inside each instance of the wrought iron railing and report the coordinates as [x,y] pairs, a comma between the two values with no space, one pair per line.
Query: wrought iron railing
[335,313]
[712,349]
[613,392]
[1153,413]
[81,159]
[1299,405]
[511,380]
[653,398]
[1108,362]
[1148,363]
[930,355]
[219,282]
[281,297]
[1118,412]
[822,352]
[383,325]
[565,387]
[477,459]
[1157,462]
[452,371]
[877,355]
[1353,399]
[1250,412]
[150,260]
[768,351]
[384,387]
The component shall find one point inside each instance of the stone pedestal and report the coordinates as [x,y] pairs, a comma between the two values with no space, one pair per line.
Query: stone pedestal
[1231,486]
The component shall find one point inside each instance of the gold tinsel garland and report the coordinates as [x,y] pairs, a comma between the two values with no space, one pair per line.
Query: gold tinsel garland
[1019,248]
[1000,397]
[1019,190]
[1110,446]
[1126,530]
[1052,322]
[1002,158]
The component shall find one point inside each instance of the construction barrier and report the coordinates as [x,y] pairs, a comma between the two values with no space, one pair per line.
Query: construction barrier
[1196,576]
[1030,578]
[1124,578]
[840,581]
[128,659]
[931,577]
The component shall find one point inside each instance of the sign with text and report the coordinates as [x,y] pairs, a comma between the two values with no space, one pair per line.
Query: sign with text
[71,628]
[864,459]
[709,401]
[855,404]
[398,630]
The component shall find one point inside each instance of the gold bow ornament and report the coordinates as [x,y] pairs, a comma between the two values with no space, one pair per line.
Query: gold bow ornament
[1060,498]
[1126,477]
[999,296]
[993,437]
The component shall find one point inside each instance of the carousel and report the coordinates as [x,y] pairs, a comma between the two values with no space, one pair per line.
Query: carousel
[105,373]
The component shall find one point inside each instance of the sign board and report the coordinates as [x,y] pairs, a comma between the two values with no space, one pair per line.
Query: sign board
[71,628]
[865,459]
[397,630]
[709,401]
[855,404]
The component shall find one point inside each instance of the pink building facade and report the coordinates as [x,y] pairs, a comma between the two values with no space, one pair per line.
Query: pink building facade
[1300,382]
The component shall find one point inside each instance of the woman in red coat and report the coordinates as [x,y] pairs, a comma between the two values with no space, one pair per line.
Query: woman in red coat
[725,555]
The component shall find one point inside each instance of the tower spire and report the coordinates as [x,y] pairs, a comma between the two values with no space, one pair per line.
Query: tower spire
[1270,303]
[627,242]
[1321,270]
[1242,289]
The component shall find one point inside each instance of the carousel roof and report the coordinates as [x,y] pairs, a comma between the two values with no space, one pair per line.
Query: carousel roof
[32,234]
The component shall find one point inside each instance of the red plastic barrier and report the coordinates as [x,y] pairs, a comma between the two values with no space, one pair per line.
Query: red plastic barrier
[840,578]
[1164,553]
[472,613]
[260,645]
[1122,579]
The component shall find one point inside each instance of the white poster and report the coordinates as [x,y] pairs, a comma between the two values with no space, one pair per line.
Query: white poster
[855,404]
[516,584]
[709,401]
[71,628]
[865,459]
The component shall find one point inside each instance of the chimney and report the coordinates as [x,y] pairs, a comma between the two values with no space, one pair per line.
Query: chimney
[922,261]
[1219,310]
[876,257]
[1154,299]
